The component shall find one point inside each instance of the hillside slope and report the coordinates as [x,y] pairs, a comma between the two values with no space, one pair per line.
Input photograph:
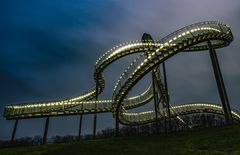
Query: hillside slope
[221,140]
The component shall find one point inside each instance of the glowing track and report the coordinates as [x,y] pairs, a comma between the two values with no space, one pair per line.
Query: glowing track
[194,37]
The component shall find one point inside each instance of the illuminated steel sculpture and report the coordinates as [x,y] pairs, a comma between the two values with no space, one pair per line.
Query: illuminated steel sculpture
[197,37]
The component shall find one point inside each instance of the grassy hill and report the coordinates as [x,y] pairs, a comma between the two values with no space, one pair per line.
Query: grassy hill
[221,140]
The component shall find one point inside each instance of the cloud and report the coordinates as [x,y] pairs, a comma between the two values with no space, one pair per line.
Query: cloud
[48,50]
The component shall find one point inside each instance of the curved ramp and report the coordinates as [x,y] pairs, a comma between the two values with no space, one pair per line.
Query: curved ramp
[151,53]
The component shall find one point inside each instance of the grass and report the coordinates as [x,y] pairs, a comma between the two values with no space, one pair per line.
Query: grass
[221,140]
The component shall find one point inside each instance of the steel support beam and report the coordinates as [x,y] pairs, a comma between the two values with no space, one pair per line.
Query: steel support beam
[167,97]
[220,84]
[155,100]
[94,124]
[117,126]
[161,92]
[14,130]
[95,115]
[45,131]
[80,126]
[138,129]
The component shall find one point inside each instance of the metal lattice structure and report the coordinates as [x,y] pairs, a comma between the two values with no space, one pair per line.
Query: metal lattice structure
[197,37]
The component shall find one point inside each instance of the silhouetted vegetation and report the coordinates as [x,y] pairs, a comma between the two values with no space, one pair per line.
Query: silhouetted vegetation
[161,127]
[213,140]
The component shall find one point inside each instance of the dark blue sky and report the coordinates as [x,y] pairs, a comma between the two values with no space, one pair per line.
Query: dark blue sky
[48,50]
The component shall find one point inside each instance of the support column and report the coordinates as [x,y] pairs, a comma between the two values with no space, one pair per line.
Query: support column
[80,124]
[94,125]
[165,124]
[14,130]
[138,130]
[155,101]
[167,97]
[80,127]
[95,115]
[220,84]
[117,126]
[45,131]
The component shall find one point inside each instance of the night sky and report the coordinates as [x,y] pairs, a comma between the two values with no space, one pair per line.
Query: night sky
[48,49]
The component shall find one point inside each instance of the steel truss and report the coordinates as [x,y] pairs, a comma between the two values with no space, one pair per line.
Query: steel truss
[196,37]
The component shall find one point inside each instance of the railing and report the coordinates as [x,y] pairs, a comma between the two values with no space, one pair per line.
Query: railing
[190,38]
